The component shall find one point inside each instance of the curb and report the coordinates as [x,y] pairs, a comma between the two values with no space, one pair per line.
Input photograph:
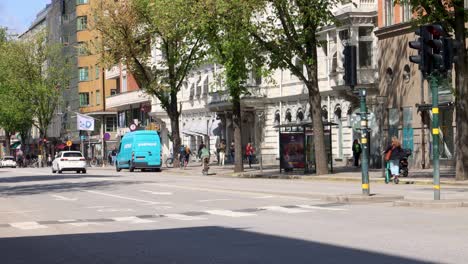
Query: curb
[358,198]
[432,203]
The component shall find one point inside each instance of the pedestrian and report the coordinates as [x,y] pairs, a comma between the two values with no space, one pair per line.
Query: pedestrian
[249,151]
[113,156]
[187,156]
[393,154]
[356,152]
[49,160]
[202,145]
[222,152]
[232,151]
[109,158]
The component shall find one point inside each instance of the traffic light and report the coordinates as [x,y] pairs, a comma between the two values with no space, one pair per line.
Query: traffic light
[350,64]
[436,43]
[451,47]
[423,59]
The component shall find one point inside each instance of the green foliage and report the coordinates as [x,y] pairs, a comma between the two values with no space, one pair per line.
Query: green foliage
[32,74]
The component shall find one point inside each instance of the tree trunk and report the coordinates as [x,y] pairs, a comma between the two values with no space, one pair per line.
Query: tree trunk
[237,121]
[7,143]
[461,99]
[174,117]
[321,157]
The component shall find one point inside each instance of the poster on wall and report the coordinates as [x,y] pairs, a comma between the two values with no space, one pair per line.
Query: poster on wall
[292,150]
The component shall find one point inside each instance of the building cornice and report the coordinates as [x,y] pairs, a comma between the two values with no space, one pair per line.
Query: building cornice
[394,30]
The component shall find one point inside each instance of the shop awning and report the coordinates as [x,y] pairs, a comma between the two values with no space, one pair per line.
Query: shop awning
[16,145]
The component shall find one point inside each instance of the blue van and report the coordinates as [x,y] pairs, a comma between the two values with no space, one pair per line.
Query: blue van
[140,149]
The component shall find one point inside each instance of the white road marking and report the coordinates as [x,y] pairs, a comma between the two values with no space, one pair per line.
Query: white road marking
[27,225]
[213,200]
[63,198]
[263,197]
[229,213]
[18,212]
[80,224]
[99,206]
[132,220]
[115,210]
[156,193]
[66,220]
[123,197]
[305,206]
[284,209]
[162,207]
[183,217]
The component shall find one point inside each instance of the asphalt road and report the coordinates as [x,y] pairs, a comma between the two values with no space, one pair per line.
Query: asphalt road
[179,217]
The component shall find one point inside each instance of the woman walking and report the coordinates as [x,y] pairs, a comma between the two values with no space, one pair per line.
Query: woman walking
[393,154]
[249,151]
[356,152]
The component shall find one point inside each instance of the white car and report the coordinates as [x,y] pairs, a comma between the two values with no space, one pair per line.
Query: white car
[8,161]
[69,161]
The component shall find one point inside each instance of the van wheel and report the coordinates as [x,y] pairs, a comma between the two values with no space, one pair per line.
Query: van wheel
[117,168]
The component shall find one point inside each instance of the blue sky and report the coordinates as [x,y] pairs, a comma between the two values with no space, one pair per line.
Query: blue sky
[17,15]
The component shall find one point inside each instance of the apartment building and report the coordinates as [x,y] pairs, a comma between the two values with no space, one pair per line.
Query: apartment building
[407,99]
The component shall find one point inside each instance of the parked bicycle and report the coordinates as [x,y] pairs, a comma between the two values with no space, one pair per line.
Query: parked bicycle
[170,161]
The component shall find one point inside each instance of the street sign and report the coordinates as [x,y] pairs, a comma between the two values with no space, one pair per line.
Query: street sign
[69,143]
[133,127]
[107,136]
[356,120]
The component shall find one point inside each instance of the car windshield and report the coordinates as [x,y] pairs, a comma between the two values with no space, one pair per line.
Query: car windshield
[8,158]
[72,155]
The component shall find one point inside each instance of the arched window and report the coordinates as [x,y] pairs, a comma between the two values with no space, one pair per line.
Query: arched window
[299,115]
[338,111]
[406,73]
[324,113]
[277,117]
[288,116]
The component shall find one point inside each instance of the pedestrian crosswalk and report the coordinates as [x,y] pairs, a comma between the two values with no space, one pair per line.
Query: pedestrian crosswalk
[187,216]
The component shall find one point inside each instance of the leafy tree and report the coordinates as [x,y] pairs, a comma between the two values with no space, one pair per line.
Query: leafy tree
[453,16]
[230,44]
[287,30]
[15,114]
[36,71]
[134,31]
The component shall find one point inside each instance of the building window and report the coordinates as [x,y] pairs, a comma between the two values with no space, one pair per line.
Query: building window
[81,2]
[389,12]
[82,49]
[288,116]
[393,123]
[98,97]
[205,86]
[81,23]
[113,92]
[83,74]
[111,124]
[97,71]
[365,47]
[277,117]
[124,84]
[406,12]
[84,99]
[408,128]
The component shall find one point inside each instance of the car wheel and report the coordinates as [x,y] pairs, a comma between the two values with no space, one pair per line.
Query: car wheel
[78,171]
[83,171]
[59,170]
[53,171]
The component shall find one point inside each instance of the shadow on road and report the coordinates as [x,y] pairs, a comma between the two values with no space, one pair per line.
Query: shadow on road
[187,245]
[60,187]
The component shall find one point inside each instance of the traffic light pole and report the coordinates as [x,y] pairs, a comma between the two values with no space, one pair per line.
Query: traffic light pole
[435,134]
[364,143]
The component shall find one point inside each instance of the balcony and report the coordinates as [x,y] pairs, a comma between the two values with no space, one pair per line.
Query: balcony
[113,73]
[365,77]
[355,6]
[123,100]
[220,100]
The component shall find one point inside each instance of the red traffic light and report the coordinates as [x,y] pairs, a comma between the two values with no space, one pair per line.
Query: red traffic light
[436,30]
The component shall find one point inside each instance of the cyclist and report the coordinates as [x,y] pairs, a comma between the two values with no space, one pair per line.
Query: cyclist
[187,156]
[181,155]
[205,157]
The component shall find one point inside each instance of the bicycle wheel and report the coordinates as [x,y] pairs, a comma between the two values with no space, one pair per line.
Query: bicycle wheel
[169,162]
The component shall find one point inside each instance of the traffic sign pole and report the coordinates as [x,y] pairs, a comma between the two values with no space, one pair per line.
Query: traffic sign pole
[435,135]
[364,143]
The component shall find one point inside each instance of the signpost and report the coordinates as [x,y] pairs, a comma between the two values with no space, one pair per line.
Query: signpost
[69,144]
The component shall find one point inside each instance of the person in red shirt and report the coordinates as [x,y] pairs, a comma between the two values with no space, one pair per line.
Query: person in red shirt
[249,151]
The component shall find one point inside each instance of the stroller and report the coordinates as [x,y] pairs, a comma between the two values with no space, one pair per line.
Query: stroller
[403,167]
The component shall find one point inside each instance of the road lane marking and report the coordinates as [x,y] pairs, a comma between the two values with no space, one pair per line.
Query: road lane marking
[132,220]
[183,217]
[115,210]
[123,197]
[213,200]
[27,225]
[19,212]
[99,206]
[81,224]
[305,206]
[284,209]
[63,198]
[229,213]
[157,193]
[264,197]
